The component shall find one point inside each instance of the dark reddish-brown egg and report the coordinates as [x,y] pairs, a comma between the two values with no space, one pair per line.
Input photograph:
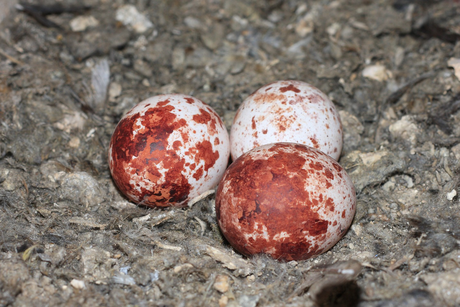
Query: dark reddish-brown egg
[167,150]
[287,200]
[287,111]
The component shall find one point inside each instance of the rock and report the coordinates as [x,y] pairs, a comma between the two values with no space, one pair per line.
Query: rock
[77,284]
[376,72]
[451,195]
[81,23]
[114,90]
[222,283]
[130,17]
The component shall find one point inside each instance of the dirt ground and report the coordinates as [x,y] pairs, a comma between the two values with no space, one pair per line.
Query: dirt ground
[68,73]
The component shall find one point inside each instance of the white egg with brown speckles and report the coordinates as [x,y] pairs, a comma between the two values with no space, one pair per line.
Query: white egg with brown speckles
[286,200]
[287,111]
[168,150]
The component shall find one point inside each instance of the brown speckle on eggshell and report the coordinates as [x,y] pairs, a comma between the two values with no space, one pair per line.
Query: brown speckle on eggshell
[287,200]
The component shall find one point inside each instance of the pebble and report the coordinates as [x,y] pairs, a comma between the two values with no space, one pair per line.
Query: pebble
[377,72]
[81,23]
[74,142]
[130,17]
[451,194]
[192,22]
[221,284]
[114,90]
[77,284]
[223,301]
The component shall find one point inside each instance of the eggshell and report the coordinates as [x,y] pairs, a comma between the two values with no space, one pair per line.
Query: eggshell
[287,200]
[287,111]
[167,150]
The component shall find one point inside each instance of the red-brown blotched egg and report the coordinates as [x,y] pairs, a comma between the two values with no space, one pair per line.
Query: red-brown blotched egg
[287,200]
[287,111]
[167,150]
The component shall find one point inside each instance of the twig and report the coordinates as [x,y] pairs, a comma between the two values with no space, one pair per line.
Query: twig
[9,57]
[200,197]
[165,246]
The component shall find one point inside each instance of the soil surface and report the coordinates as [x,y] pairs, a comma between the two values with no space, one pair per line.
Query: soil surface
[70,69]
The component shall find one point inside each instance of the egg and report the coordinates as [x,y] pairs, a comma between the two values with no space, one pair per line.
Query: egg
[287,200]
[167,150]
[287,111]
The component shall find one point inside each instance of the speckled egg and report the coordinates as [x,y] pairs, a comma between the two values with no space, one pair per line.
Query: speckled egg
[167,150]
[287,200]
[287,111]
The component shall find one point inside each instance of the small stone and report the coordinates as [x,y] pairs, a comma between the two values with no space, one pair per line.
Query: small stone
[192,22]
[74,142]
[389,186]
[114,90]
[223,301]
[130,17]
[333,29]
[123,279]
[305,26]
[399,56]
[377,72]
[77,284]
[451,194]
[238,64]
[221,284]
[12,181]
[146,82]
[409,181]
[141,43]
[81,23]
